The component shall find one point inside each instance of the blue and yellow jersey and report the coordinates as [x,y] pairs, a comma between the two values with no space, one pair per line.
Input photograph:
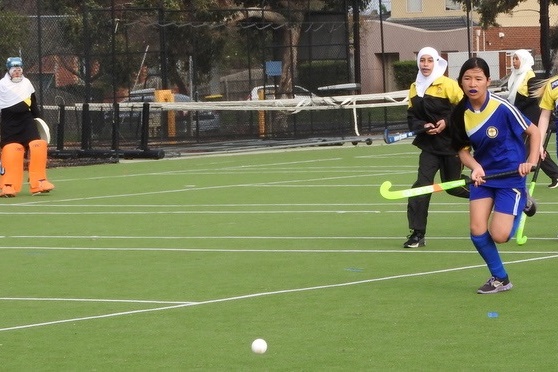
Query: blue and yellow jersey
[496,135]
[549,98]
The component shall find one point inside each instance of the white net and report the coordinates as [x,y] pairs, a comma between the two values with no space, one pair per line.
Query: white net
[95,128]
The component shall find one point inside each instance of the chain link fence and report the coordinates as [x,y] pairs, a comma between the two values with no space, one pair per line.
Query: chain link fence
[130,55]
[125,57]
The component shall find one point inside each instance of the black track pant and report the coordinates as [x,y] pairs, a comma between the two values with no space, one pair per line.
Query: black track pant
[450,168]
[548,166]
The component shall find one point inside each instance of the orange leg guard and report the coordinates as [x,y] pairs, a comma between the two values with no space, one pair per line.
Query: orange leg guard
[37,166]
[12,161]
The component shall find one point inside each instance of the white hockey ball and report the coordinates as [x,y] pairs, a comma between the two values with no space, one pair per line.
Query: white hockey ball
[259,346]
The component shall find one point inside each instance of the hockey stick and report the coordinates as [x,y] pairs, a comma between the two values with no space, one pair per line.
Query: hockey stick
[398,137]
[43,129]
[521,239]
[428,189]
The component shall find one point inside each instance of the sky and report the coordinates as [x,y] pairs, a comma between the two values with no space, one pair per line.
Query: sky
[374,4]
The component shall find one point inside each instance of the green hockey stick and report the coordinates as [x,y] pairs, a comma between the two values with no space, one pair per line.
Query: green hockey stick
[521,239]
[428,189]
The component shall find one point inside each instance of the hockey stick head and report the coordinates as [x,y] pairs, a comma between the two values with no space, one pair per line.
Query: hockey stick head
[43,129]
[519,237]
[387,137]
[385,190]
[521,240]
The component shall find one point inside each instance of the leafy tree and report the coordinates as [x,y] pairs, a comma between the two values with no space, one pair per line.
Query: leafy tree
[178,25]
[405,73]
[286,17]
[197,40]
[88,33]
[87,37]
[15,33]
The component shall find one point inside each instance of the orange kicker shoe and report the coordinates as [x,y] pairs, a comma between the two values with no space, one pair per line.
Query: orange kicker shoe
[43,187]
[7,192]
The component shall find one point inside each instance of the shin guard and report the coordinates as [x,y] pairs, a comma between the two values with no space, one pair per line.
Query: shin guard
[37,162]
[12,161]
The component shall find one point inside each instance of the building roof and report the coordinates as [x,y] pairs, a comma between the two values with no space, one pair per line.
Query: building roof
[432,23]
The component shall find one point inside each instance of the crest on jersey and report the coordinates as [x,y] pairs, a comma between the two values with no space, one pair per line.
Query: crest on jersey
[492,132]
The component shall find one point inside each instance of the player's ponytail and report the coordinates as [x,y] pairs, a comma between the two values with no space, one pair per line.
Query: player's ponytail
[537,88]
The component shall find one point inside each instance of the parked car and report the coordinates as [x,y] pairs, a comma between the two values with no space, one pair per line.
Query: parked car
[269,92]
[207,121]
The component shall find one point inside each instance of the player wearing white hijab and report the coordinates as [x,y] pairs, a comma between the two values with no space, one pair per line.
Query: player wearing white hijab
[522,85]
[19,133]
[431,99]
[521,72]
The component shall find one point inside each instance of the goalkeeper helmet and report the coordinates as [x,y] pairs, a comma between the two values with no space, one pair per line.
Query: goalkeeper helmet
[14,62]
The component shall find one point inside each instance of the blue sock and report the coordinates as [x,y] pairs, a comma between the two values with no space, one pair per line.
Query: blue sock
[489,252]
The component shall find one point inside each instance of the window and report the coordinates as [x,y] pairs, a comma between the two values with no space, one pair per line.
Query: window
[414,6]
[452,5]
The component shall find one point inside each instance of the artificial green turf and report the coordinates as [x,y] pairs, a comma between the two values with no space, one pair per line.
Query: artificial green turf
[296,247]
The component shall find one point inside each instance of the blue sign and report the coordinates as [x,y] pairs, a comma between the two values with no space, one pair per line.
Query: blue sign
[273,68]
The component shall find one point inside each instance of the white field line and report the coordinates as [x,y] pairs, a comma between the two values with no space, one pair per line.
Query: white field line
[230,170]
[234,169]
[252,250]
[261,294]
[113,213]
[96,300]
[190,188]
[231,205]
[209,212]
[216,172]
[195,171]
[214,187]
[222,237]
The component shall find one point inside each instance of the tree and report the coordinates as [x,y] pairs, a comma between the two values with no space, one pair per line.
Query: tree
[489,10]
[86,50]
[184,28]
[15,33]
[197,40]
[286,18]
[92,35]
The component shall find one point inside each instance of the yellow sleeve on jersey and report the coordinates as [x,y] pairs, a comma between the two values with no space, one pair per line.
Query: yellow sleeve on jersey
[524,87]
[550,95]
[445,87]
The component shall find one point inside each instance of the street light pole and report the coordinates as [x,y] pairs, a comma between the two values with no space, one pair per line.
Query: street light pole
[468,6]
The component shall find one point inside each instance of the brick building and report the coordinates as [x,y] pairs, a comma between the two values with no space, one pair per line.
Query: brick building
[444,25]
